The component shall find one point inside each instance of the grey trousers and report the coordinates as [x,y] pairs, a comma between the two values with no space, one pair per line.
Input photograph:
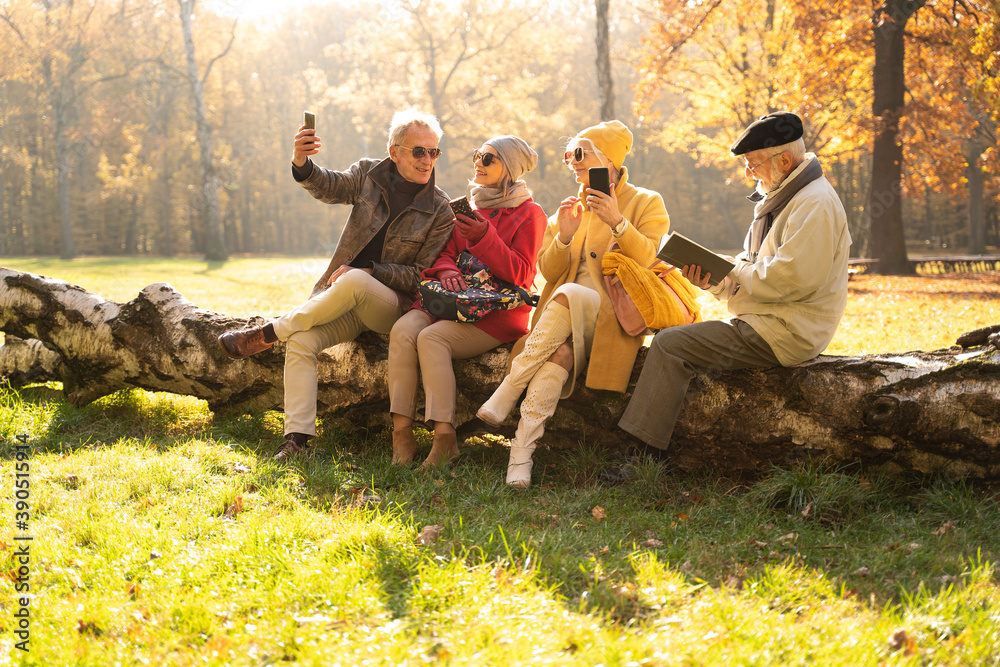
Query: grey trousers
[675,356]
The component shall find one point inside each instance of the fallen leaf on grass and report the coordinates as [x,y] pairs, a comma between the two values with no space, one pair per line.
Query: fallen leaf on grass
[900,639]
[88,628]
[682,516]
[945,527]
[133,590]
[652,543]
[429,534]
[756,543]
[807,510]
[440,653]
[240,467]
[218,645]
[604,551]
[72,481]
[598,513]
[862,571]
[234,508]
[789,537]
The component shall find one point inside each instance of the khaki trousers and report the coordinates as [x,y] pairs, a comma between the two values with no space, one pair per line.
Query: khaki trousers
[675,356]
[415,342]
[355,303]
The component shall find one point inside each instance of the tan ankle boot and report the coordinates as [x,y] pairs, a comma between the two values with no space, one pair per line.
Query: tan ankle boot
[404,446]
[540,404]
[444,449]
[553,328]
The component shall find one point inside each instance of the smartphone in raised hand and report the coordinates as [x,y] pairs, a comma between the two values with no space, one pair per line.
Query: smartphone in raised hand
[309,120]
[461,205]
[600,180]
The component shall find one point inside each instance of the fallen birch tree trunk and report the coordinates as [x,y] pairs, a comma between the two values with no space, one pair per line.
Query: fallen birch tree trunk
[921,412]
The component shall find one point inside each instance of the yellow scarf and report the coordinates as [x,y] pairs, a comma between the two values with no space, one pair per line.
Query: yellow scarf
[663,296]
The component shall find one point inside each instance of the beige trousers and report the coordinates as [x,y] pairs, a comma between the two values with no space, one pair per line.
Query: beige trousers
[415,342]
[355,303]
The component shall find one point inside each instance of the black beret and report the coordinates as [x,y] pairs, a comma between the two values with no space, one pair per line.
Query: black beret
[774,129]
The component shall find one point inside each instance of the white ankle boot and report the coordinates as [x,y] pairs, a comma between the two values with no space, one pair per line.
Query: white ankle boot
[540,404]
[553,328]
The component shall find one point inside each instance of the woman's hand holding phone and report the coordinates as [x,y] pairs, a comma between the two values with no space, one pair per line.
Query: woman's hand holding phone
[471,229]
[604,206]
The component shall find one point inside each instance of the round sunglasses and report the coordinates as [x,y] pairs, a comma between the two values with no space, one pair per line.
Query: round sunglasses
[420,151]
[576,155]
[487,158]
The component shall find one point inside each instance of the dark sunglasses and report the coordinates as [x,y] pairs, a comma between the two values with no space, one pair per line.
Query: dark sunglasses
[577,155]
[487,158]
[420,151]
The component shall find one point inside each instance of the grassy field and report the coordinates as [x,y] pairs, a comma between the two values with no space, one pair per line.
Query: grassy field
[165,535]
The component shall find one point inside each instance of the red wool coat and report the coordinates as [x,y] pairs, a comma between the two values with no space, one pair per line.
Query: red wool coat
[509,249]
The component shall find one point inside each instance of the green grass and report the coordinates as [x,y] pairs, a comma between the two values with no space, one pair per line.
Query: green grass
[165,535]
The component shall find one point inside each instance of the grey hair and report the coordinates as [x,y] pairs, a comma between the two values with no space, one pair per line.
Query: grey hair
[797,149]
[403,120]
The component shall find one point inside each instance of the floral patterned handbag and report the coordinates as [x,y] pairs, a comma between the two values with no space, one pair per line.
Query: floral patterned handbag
[486,293]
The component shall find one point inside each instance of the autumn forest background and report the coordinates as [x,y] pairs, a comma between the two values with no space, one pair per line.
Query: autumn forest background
[164,127]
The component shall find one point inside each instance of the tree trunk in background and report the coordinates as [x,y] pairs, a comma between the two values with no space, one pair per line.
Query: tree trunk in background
[977,220]
[936,412]
[61,105]
[215,242]
[161,130]
[6,213]
[605,84]
[886,240]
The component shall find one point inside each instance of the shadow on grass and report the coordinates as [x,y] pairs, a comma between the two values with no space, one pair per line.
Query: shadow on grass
[875,535]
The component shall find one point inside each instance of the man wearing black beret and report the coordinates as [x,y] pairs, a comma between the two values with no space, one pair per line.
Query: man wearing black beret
[786,293]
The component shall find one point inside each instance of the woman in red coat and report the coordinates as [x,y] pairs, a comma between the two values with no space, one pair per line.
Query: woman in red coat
[506,235]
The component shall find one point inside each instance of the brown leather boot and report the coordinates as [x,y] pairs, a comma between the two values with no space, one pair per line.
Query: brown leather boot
[444,449]
[291,449]
[244,342]
[404,446]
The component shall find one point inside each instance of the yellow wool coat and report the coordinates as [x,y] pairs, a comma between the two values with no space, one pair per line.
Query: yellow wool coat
[613,353]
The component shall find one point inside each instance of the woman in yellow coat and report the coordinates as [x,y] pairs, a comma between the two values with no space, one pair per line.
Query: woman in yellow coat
[574,321]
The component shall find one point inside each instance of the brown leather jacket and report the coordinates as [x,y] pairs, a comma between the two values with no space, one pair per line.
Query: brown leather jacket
[414,239]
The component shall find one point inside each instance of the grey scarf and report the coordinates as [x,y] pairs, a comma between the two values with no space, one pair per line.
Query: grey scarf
[494,197]
[775,204]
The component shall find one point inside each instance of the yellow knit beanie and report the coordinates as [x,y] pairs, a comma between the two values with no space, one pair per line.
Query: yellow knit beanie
[612,138]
